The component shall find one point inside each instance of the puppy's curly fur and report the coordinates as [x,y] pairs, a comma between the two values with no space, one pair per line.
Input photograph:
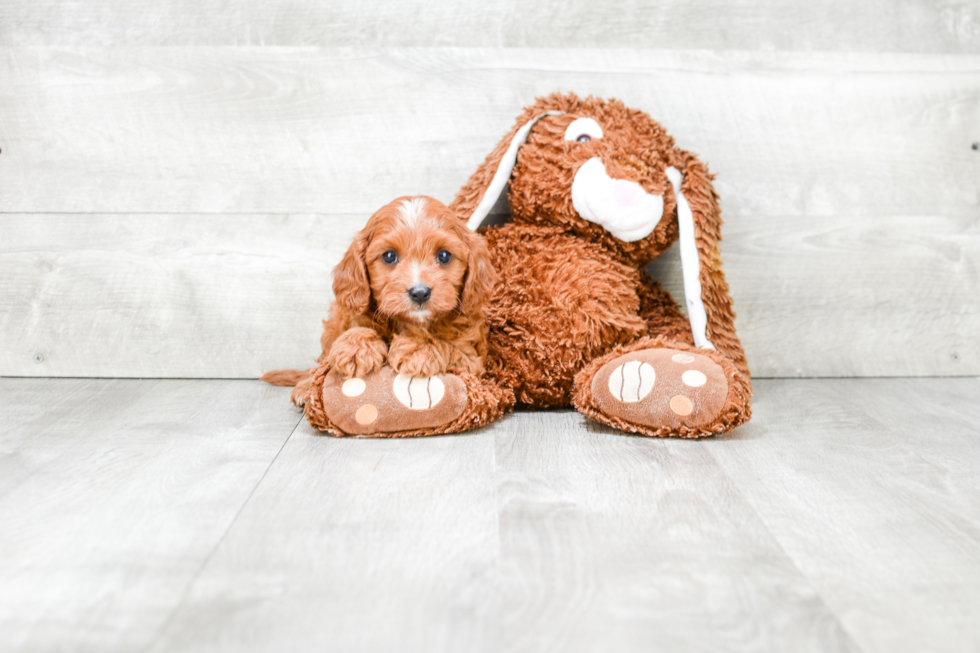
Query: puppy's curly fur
[412,244]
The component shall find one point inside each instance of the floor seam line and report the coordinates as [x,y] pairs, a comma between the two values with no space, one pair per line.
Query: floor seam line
[497,570]
[823,601]
[207,559]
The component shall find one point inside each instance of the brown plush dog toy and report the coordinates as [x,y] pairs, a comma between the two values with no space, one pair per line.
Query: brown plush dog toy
[597,191]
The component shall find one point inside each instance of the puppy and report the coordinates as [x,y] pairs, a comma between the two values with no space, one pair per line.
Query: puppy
[410,293]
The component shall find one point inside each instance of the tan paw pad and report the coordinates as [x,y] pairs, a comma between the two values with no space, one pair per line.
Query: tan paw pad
[353,387]
[681,405]
[694,378]
[366,414]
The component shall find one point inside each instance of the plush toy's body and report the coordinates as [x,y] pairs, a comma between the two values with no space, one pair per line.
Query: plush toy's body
[563,302]
[597,191]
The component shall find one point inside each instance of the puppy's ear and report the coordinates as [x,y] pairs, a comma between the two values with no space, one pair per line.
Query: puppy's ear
[350,279]
[480,275]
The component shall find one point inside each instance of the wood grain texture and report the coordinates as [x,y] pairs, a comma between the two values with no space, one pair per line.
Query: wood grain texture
[870,486]
[113,494]
[876,25]
[846,296]
[166,295]
[355,545]
[344,130]
[843,517]
[429,545]
[625,544]
[232,295]
[845,259]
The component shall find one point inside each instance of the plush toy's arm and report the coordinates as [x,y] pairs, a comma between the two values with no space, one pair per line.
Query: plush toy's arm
[708,302]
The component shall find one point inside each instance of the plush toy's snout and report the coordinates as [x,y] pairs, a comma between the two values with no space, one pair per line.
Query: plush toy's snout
[620,206]
[627,193]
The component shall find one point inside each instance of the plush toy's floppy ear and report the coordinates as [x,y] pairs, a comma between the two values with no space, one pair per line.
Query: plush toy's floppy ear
[709,305]
[474,200]
[350,279]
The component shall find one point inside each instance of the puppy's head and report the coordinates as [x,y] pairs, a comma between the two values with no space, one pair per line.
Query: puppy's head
[415,261]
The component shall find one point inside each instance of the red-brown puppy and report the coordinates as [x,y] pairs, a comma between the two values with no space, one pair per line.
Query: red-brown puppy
[410,293]
[410,290]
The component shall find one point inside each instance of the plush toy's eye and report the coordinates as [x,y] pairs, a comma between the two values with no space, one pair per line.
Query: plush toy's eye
[389,257]
[583,130]
[444,257]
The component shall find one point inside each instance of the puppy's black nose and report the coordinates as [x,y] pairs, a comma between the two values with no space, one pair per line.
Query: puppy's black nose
[420,294]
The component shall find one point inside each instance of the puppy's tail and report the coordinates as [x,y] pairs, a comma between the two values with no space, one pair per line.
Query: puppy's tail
[286,377]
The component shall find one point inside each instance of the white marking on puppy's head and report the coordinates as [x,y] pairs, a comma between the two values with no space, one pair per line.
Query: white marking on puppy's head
[622,207]
[411,210]
[416,273]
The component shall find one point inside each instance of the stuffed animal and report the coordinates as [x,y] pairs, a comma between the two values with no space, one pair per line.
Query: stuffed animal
[597,191]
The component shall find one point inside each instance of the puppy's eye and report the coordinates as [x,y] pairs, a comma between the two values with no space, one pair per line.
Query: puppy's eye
[389,257]
[444,257]
[584,138]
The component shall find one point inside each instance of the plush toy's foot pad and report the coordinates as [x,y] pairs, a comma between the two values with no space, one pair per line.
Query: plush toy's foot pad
[387,402]
[661,388]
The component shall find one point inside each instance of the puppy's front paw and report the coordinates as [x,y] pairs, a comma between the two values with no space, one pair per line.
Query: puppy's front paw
[357,352]
[301,392]
[413,358]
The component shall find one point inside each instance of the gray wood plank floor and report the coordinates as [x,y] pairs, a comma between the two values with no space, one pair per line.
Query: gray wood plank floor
[113,494]
[197,516]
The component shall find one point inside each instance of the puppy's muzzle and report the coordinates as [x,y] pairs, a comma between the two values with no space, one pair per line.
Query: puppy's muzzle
[419,294]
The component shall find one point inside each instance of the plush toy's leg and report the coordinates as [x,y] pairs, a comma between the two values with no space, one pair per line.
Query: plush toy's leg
[387,404]
[662,387]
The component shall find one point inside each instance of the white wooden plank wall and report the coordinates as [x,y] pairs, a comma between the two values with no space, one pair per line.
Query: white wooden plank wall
[827,25]
[174,190]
